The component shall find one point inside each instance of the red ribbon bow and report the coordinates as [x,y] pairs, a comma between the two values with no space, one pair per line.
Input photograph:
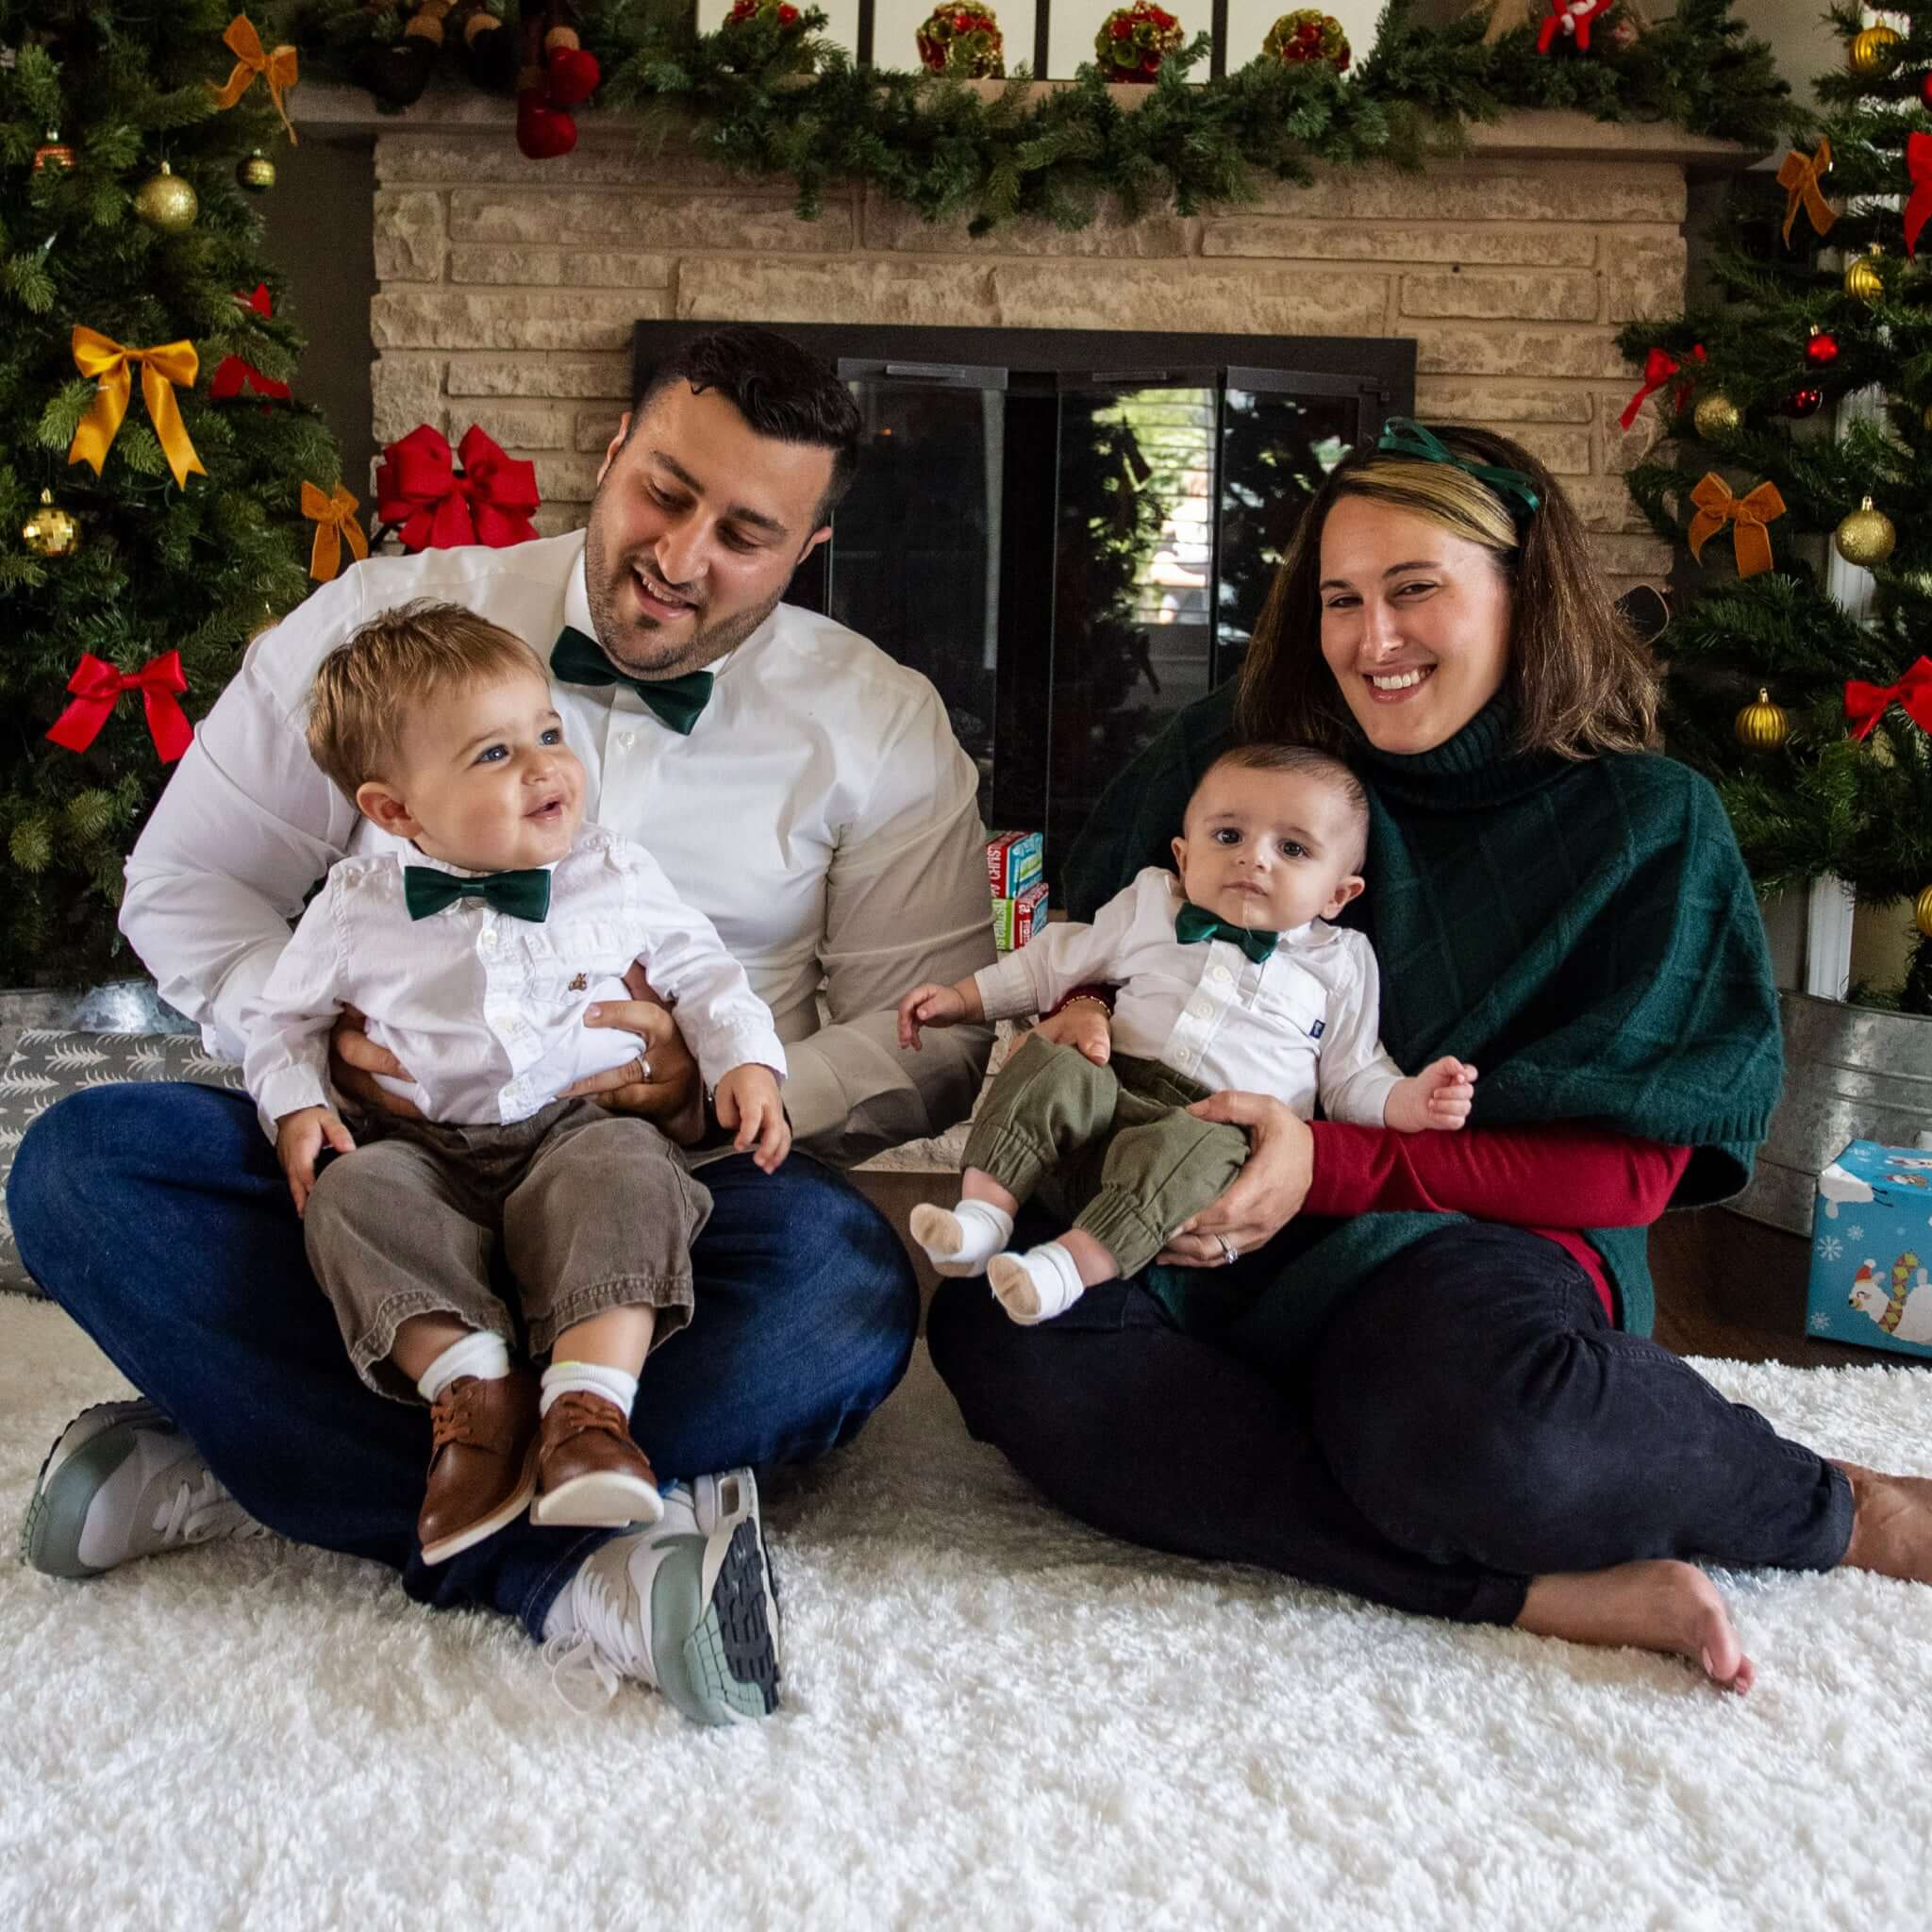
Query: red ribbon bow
[1919,165]
[437,507]
[233,372]
[96,685]
[1659,367]
[1865,703]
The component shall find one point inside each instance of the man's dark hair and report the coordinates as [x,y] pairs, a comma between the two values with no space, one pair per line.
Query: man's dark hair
[782,391]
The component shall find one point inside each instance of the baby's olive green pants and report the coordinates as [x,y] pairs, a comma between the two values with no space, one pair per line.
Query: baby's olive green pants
[1111,1147]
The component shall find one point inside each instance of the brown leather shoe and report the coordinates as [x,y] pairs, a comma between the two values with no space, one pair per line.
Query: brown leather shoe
[482,1464]
[588,1471]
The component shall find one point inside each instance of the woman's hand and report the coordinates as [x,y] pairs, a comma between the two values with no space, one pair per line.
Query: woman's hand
[661,1084]
[1083,1024]
[1268,1193]
[354,1059]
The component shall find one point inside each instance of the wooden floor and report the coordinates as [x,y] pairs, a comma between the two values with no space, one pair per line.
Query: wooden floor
[1725,1286]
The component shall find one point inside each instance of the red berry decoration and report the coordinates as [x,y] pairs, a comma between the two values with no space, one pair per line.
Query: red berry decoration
[1804,402]
[964,41]
[1307,34]
[1822,350]
[785,16]
[1134,40]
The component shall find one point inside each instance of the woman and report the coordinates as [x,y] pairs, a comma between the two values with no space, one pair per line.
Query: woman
[1417,1377]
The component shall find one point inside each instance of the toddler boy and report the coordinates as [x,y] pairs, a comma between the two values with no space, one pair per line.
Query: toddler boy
[473,949]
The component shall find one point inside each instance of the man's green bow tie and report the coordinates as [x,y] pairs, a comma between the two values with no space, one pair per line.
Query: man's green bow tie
[1191,924]
[676,701]
[521,894]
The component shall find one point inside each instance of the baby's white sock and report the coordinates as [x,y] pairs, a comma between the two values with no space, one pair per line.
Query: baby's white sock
[1036,1286]
[592,1379]
[479,1354]
[961,1239]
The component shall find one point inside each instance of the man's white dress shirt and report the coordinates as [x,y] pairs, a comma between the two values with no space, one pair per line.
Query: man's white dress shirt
[1302,1023]
[485,1009]
[821,813]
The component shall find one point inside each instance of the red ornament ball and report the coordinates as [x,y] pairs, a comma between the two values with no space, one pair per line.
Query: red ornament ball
[1822,350]
[1925,89]
[1804,402]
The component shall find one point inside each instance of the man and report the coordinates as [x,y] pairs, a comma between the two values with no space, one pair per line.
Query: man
[798,787]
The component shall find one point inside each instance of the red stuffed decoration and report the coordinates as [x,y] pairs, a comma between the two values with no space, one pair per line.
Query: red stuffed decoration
[1569,20]
[558,75]
[233,373]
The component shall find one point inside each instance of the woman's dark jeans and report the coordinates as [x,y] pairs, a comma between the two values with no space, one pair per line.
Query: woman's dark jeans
[1469,1420]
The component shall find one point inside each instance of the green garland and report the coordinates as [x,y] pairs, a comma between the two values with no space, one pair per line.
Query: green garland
[773,102]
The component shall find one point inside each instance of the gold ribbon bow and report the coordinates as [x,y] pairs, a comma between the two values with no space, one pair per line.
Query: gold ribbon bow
[276,69]
[1799,178]
[161,368]
[334,517]
[1717,507]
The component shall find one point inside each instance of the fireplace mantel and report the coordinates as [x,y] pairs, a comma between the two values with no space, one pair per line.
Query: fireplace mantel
[507,289]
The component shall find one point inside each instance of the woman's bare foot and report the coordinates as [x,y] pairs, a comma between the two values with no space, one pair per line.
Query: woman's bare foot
[1891,1525]
[1656,1605]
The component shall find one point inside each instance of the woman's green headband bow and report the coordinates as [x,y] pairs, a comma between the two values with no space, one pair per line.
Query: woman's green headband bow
[1405,436]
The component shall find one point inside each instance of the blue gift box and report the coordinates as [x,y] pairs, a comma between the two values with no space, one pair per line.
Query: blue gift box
[1872,1249]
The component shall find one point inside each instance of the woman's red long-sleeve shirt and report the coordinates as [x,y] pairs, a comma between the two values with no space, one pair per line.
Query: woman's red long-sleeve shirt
[1552,1180]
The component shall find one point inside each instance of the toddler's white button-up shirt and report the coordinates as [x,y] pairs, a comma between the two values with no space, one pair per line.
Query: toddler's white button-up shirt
[485,1009]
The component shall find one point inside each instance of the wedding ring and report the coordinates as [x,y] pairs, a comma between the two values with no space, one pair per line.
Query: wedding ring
[1229,1251]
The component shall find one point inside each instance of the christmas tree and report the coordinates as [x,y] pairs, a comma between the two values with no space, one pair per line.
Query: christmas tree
[1798,401]
[152,462]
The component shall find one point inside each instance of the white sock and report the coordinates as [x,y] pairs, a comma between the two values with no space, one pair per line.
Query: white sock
[983,1231]
[589,1378]
[1036,1286]
[479,1354]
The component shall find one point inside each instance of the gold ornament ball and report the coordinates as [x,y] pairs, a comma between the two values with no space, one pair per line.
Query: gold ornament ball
[1921,912]
[1716,416]
[1866,536]
[1875,50]
[51,531]
[1863,282]
[166,202]
[256,173]
[1762,726]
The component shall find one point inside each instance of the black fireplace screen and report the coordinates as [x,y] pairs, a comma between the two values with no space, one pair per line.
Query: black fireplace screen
[1071,532]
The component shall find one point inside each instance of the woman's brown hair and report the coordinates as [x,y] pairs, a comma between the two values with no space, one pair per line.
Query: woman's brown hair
[1581,681]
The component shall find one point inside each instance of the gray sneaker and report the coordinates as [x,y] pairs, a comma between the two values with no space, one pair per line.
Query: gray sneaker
[122,1481]
[687,1605]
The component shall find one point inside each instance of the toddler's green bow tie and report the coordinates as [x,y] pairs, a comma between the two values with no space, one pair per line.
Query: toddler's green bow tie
[521,894]
[677,701]
[1191,924]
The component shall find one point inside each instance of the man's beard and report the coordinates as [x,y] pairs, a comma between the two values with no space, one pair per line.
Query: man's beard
[637,646]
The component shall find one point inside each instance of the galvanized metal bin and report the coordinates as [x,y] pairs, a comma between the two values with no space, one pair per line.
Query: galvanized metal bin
[1851,1074]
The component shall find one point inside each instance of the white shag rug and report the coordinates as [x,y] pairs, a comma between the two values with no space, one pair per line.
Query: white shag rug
[993,1719]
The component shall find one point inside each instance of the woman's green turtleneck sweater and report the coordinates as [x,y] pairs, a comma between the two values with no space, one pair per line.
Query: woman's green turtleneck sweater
[1584,932]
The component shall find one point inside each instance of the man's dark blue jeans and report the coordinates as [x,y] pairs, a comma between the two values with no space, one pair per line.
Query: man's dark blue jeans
[157,1217]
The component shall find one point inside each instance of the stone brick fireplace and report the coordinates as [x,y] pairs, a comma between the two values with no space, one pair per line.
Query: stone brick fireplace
[507,289]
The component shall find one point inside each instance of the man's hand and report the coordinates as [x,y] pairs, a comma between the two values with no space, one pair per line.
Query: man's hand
[1085,1025]
[1268,1193]
[354,1059]
[1439,1097]
[661,1084]
[933,1004]
[747,1102]
[299,1138]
